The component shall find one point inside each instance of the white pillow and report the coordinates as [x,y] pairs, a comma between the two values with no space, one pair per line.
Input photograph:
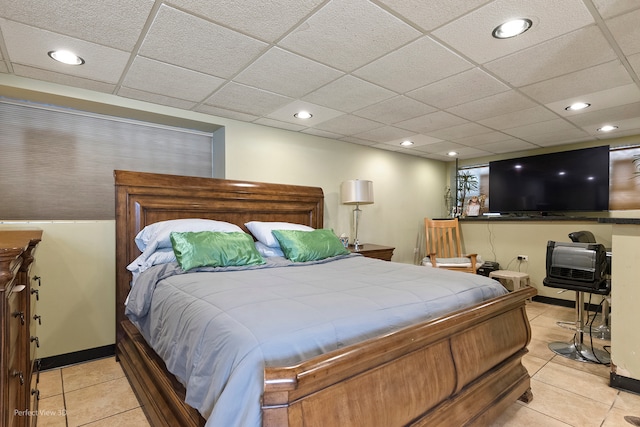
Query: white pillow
[262,230]
[156,235]
[267,252]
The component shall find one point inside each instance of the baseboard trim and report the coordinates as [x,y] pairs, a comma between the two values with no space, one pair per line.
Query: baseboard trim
[624,383]
[568,303]
[75,357]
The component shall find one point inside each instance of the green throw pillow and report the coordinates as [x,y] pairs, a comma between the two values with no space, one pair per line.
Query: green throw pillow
[301,246]
[214,249]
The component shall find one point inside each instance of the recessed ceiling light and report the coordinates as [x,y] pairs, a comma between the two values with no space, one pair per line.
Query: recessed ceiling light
[303,115]
[577,106]
[512,28]
[406,143]
[452,153]
[66,57]
[607,128]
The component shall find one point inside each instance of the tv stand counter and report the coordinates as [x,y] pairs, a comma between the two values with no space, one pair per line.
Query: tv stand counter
[534,218]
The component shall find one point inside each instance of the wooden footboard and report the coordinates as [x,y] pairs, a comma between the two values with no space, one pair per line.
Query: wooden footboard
[460,369]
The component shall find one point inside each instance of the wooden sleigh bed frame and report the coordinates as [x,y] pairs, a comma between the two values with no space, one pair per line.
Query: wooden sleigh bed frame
[463,368]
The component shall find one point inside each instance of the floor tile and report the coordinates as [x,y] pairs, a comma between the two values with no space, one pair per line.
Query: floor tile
[566,406]
[91,373]
[99,401]
[533,364]
[521,415]
[52,412]
[628,402]
[50,383]
[132,418]
[603,371]
[582,383]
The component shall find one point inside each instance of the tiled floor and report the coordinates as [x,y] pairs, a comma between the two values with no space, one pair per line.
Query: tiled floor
[565,392]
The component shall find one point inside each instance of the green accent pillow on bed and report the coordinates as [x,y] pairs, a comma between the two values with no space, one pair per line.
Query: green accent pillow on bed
[214,249]
[301,246]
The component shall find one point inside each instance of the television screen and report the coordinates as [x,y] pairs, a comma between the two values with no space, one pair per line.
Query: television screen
[576,180]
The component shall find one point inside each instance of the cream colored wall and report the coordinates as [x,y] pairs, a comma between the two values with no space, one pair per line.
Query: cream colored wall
[625,295]
[503,241]
[76,259]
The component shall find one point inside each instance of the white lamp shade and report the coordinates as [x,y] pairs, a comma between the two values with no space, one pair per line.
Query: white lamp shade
[356,191]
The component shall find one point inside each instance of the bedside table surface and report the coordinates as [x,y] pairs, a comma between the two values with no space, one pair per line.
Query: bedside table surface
[371,250]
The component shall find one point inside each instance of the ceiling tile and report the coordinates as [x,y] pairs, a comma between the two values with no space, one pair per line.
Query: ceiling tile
[471,34]
[264,20]
[519,118]
[589,80]
[626,31]
[384,133]
[460,131]
[562,137]
[115,23]
[627,127]
[475,140]
[491,106]
[103,64]
[155,98]
[526,132]
[610,8]
[182,39]
[571,52]
[169,80]
[223,112]
[438,13]
[620,95]
[394,110]
[349,125]
[605,116]
[417,139]
[62,79]
[431,122]
[246,99]
[417,64]
[322,133]
[319,113]
[347,34]
[508,146]
[348,93]
[286,73]
[455,90]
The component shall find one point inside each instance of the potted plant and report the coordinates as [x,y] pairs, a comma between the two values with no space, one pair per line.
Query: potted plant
[466,183]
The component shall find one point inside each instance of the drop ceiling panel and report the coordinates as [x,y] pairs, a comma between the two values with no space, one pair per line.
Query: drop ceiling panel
[372,71]
[264,20]
[286,73]
[471,34]
[116,23]
[347,34]
[182,39]
[420,62]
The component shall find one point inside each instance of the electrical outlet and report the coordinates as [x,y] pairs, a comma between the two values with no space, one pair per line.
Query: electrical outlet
[523,257]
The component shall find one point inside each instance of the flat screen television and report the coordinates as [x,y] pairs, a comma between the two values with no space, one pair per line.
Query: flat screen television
[568,181]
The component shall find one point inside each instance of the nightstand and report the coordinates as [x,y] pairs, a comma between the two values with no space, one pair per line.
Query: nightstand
[374,251]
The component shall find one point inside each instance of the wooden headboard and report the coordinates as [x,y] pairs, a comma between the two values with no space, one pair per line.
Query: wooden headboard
[145,198]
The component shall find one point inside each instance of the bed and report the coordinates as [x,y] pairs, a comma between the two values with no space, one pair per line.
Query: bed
[459,368]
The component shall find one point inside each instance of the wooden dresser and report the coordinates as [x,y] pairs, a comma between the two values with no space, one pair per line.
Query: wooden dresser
[18,320]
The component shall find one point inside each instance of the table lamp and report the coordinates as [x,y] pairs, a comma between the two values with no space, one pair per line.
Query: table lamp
[356,192]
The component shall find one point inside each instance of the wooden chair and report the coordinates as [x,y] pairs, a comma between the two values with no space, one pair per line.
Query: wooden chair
[444,249]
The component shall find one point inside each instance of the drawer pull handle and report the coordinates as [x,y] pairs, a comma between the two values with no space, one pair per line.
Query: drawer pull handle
[35,291]
[38,318]
[19,375]
[35,393]
[36,340]
[19,314]
[37,279]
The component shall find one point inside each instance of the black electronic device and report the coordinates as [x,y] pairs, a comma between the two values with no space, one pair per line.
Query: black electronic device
[576,180]
[487,267]
[577,266]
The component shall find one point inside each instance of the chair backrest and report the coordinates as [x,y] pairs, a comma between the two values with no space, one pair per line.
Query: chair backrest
[442,237]
[583,236]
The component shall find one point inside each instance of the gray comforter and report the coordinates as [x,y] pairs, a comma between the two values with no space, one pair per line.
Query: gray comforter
[217,328]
